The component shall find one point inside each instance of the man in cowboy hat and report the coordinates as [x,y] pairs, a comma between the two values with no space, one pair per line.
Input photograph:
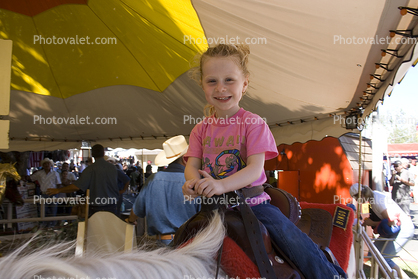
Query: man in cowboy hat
[161,199]
[47,178]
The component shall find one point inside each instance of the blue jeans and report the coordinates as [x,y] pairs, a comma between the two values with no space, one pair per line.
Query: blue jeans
[163,242]
[50,211]
[300,249]
[393,247]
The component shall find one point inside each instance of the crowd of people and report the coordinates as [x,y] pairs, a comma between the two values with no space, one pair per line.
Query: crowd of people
[60,180]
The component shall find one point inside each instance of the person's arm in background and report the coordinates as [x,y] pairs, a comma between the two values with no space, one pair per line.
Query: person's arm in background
[67,189]
[138,208]
[124,179]
[392,179]
[124,188]
[410,180]
[369,222]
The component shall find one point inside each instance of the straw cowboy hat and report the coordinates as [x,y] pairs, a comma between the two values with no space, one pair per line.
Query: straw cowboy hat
[173,149]
[110,159]
[47,160]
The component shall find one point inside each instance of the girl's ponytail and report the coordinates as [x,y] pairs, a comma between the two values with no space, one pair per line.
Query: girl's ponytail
[209,110]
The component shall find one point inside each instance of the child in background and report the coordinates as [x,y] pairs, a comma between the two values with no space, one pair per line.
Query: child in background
[227,151]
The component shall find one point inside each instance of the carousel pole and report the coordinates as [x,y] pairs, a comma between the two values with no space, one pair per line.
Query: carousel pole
[359,244]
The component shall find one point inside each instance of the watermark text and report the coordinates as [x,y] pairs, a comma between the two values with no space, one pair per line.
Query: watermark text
[189,119]
[74,201]
[229,40]
[85,120]
[376,40]
[341,119]
[39,39]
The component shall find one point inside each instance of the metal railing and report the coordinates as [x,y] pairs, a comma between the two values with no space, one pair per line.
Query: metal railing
[9,220]
[378,262]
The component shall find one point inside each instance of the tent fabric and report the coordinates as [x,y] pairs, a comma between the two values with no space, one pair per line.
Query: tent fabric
[313,130]
[403,149]
[309,60]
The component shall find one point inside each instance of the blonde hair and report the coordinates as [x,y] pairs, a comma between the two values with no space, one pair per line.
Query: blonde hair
[240,52]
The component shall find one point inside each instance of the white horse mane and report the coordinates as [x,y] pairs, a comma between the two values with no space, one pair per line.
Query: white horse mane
[195,260]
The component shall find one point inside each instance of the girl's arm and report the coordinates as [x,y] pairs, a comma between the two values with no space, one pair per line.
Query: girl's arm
[192,167]
[191,173]
[208,186]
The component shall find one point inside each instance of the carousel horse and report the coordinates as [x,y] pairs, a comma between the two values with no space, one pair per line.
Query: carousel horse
[8,188]
[195,260]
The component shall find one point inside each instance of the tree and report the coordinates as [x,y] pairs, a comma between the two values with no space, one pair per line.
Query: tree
[401,127]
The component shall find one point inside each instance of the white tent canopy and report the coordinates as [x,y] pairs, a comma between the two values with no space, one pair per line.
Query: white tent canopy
[311,62]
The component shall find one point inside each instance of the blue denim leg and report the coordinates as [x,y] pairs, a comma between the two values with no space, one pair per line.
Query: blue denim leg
[164,242]
[300,249]
[50,211]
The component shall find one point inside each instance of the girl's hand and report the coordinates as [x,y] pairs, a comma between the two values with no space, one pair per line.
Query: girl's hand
[188,188]
[208,186]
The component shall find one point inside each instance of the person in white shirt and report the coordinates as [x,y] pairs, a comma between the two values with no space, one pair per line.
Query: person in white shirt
[47,178]
[388,219]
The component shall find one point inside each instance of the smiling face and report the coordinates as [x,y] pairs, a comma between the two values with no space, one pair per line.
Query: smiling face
[223,83]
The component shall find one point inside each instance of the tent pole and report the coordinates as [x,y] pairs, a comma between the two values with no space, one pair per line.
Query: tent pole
[142,163]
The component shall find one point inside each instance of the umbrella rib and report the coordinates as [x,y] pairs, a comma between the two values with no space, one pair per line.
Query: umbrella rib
[150,22]
[156,85]
[46,58]
[52,73]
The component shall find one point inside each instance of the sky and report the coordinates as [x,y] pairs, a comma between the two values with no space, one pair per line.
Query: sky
[404,95]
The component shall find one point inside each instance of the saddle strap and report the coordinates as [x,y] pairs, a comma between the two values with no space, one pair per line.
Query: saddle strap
[252,228]
[253,191]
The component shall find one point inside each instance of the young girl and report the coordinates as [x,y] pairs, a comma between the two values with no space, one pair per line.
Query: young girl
[227,151]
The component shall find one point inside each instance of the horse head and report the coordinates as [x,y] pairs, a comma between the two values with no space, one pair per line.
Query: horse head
[9,189]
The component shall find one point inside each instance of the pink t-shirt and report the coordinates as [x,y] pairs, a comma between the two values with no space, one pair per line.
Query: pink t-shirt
[224,144]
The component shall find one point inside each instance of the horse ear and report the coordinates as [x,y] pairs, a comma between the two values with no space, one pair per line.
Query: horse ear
[14,164]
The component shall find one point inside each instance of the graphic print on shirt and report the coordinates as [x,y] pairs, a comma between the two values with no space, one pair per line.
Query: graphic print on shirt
[226,162]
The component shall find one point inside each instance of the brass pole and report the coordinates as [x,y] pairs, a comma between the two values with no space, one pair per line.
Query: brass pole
[358,240]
